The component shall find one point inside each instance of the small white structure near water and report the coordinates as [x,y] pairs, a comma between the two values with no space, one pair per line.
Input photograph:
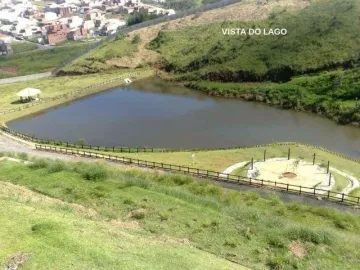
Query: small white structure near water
[127,80]
[29,94]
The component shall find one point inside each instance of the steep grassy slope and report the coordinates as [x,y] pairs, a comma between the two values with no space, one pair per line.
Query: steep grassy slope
[39,232]
[246,10]
[324,35]
[240,226]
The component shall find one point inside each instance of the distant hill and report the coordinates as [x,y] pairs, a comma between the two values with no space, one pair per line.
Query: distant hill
[323,36]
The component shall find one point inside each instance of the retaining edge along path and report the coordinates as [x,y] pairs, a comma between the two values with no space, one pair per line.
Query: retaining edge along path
[25,78]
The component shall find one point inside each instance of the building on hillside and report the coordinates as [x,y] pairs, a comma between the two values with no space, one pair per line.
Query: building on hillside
[77,34]
[5,48]
[56,33]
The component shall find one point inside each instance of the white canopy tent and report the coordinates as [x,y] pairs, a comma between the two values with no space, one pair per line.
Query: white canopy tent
[28,93]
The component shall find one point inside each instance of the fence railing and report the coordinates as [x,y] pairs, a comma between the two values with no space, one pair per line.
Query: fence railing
[72,93]
[120,149]
[212,175]
[128,29]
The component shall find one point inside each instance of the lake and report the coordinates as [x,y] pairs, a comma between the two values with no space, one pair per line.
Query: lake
[153,113]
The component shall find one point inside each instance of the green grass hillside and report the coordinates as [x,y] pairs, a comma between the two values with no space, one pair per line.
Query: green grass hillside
[138,219]
[324,35]
[37,61]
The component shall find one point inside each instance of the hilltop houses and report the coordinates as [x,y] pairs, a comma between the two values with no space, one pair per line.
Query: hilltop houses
[68,19]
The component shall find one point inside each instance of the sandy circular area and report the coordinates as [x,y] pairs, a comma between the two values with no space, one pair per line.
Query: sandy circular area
[295,172]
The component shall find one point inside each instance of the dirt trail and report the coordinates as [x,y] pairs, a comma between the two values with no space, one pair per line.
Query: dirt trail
[247,10]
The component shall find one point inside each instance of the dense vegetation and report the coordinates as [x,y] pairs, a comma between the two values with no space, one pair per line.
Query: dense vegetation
[323,36]
[334,94]
[243,227]
[140,17]
[36,61]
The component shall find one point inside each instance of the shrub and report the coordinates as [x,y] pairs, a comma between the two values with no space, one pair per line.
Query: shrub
[138,214]
[128,201]
[275,240]
[94,173]
[164,216]
[56,166]
[81,141]
[310,235]
[23,156]
[230,243]
[39,164]
[136,39]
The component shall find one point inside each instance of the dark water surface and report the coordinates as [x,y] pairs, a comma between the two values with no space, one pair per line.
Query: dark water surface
[152,113]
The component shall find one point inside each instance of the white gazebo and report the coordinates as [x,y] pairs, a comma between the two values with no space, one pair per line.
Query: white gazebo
[28,94]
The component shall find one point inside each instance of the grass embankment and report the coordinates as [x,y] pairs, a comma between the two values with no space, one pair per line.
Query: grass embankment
[96,61]
[39,232]
[38,61]
[54,86]
[20,47]
[333,94]
[240,226]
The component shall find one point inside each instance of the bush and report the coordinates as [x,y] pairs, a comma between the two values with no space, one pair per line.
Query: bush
[39,164]
[136,39]
[138,214]
[275,240]
[310,235]
[23,156]
[92,172]
[56,166]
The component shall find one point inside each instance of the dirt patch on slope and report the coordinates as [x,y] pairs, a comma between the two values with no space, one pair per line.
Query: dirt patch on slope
[297,249]
[9,70]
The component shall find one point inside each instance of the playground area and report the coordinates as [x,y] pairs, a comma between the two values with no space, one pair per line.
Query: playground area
[296,174]
[292,171]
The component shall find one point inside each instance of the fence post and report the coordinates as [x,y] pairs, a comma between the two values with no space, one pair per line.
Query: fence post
[264,155]
[342,197]
[289,154]
[314,159]
[252,163]
[329,179]
[300,189]
[328,167]
[287,187]
[328,194]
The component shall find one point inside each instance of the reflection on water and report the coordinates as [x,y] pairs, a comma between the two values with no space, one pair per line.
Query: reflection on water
[152,113]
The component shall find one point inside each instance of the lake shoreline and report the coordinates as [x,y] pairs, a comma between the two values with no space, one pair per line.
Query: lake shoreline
[260,98]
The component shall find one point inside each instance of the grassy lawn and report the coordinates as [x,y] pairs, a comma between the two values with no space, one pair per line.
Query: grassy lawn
[258,232]
[20,47]
[54,86]
[341,182]
[38,61]
[219,160]
[242,171]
